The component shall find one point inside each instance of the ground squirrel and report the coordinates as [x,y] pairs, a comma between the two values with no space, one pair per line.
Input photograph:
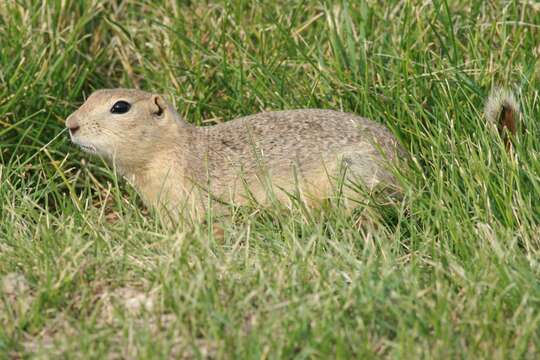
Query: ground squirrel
[175,165]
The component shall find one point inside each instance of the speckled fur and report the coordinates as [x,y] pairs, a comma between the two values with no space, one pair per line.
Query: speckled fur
[175,165]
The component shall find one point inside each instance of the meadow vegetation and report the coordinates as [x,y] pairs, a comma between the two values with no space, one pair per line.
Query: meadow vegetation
[449,271]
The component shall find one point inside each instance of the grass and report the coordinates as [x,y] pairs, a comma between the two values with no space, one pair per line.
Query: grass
[450,272]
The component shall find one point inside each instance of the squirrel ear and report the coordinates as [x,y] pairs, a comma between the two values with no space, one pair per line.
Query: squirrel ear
[158,105]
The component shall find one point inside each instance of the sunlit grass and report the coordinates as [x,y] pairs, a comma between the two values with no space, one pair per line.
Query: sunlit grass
[451,270]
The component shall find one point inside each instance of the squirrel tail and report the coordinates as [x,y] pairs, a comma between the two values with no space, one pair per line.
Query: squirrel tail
[502,110]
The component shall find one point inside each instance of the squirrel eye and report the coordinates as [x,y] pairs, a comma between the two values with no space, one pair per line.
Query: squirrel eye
[120,107]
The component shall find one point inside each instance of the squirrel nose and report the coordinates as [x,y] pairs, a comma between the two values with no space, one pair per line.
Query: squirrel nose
[72,124]
[74,129]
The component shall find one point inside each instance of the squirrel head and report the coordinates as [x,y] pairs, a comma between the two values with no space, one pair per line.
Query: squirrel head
[124,125]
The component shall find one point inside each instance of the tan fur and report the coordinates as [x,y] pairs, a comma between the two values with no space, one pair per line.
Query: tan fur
[176,166]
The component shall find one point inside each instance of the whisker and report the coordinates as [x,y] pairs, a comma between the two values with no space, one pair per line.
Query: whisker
[44,147]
